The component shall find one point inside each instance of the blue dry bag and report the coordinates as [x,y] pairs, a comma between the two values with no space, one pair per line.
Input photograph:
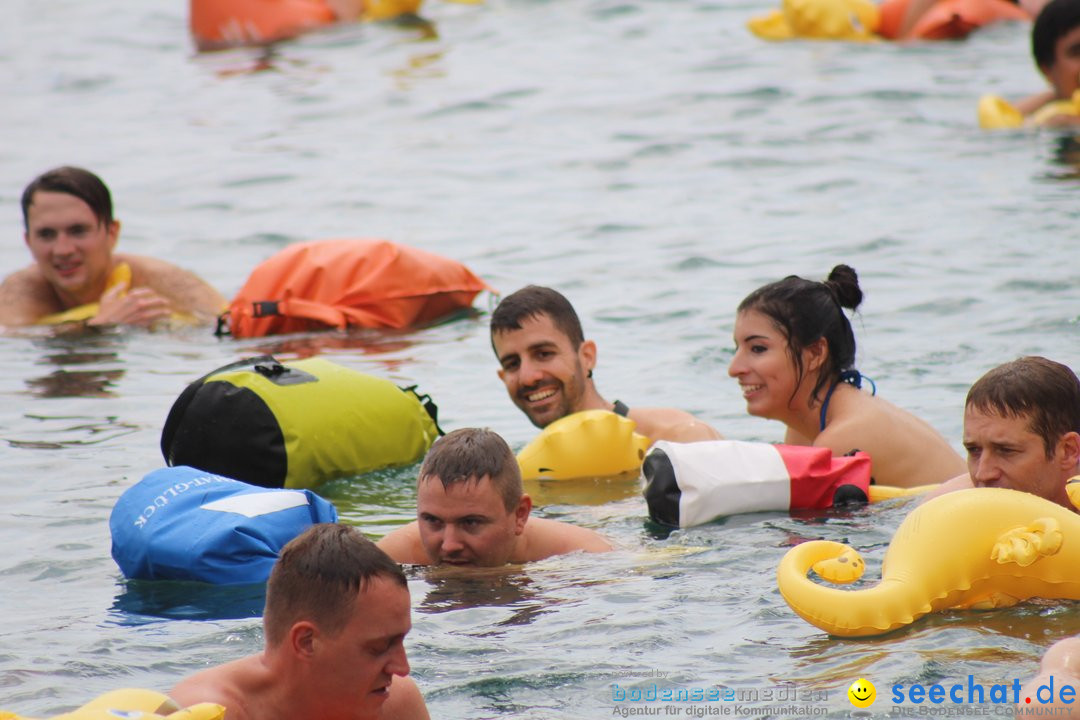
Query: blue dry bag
[180,523]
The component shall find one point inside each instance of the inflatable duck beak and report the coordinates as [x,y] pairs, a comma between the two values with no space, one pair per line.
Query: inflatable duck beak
[387,9]
[996,113]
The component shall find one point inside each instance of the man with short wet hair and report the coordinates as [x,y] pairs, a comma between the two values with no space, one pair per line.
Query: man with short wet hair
[1022,429]
[337,612]
[547,366]
[71,234]
[472,510]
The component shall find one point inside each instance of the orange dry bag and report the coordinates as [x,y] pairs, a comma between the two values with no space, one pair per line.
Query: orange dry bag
[947,19]
[351,282]
[226,23]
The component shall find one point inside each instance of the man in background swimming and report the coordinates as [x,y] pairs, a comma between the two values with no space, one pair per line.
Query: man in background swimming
[1055,45]
[472,510]
[71,234]
[337,612]
[1022,430]
[547,366]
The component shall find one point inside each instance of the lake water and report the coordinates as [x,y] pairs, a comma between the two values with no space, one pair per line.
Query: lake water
[649,158]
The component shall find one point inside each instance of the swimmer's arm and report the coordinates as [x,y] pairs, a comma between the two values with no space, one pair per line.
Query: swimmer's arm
[185,291]
[403,545]
[546,538]
[960,482]
[405,701]
[914,12]
[1030,104]
[24,298]
[672,425]
[1062,663]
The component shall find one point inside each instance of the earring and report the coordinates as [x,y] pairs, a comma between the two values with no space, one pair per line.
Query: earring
[589,374]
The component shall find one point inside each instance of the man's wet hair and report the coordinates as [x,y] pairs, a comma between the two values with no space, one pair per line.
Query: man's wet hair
[1045,392]
[471,454]
[318,576]
[533,301]
[75,181]
[1056,20]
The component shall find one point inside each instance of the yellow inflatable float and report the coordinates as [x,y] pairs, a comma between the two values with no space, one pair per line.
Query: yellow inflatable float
[853,20]
[135,705]
[980,549]
[120,277]
[996,113]
[587,444]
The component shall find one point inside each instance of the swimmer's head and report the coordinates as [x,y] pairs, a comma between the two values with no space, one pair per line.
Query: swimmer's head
[75,181]
[544,360]
[1022,428]
[805,312]
[1055,45]
[1043,393]
[470,504]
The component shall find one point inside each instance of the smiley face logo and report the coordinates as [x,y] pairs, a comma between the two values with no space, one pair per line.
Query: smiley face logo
[862,693]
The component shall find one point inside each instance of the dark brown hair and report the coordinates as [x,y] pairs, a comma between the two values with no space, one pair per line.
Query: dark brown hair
[76,181]
[532,301]
[470,454]
[1044,391]
[806,311]
[318,576]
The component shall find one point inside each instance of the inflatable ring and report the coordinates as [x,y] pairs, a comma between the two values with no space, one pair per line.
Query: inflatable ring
[587,444]
[119,277]
[854,20]
[981,548]
[135,705]
[996,113]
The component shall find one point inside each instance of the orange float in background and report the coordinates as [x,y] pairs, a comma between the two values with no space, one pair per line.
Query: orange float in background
[947,19]
[352,282]
[218,24]
[863,21]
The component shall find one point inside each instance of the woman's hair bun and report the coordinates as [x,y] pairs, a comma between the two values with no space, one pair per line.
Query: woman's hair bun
[844,285]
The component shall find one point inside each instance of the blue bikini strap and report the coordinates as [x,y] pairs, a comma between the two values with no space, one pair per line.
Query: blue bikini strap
[851,377]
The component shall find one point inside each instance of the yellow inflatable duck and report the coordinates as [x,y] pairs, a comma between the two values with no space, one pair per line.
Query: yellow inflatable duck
[997,113]
[119,277]
[970,549]
[135,705]
[587,444]
[855,20]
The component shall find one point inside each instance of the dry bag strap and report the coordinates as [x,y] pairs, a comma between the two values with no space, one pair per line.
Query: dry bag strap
[429,405]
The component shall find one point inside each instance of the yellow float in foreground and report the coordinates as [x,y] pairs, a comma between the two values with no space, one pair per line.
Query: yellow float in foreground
[970,549]
[135,705]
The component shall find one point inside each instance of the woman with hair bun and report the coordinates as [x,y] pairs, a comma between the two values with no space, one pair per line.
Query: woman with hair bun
[795,362]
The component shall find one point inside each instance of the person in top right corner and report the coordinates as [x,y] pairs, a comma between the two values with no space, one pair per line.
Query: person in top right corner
[1055,46]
